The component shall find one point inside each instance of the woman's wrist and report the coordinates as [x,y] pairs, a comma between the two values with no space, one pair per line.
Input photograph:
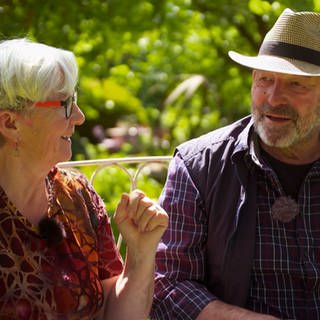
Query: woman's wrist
[136,259]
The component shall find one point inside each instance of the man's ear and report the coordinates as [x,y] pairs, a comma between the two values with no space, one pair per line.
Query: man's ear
[253,73]
[8,125]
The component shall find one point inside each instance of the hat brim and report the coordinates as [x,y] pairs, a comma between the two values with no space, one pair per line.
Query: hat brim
[276,64]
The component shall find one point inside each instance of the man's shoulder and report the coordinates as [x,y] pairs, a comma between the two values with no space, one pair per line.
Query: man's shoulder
[213,140]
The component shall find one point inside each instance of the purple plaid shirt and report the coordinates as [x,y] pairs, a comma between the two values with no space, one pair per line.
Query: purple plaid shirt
[182,294]
[285,275]
[286,268]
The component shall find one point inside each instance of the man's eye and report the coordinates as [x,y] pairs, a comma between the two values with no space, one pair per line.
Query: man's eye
[299,87]
[264,80]
[296,84]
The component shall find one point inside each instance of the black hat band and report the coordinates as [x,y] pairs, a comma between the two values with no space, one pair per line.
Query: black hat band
[288,50]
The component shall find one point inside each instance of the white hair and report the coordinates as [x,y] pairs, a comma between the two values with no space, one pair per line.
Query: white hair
[31,71]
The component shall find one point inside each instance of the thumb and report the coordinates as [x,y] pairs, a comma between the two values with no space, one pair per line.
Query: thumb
[121,210]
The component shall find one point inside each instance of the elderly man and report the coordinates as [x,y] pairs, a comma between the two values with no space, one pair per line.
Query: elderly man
[244,200]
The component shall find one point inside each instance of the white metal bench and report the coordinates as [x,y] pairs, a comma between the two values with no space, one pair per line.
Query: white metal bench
[141,163]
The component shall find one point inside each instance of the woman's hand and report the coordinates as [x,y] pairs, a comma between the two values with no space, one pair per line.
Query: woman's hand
[140,221]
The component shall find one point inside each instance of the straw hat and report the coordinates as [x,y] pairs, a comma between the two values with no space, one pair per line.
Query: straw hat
[292,46]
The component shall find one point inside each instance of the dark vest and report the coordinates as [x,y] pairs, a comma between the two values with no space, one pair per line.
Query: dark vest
[216,164]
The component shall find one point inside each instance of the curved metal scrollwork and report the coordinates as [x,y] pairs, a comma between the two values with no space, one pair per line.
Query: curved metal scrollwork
[101,164]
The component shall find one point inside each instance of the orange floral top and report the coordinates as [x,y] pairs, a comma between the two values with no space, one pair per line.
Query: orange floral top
[39,280]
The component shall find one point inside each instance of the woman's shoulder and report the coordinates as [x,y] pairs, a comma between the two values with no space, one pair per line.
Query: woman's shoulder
[69,178]
[78,188]
[68,174]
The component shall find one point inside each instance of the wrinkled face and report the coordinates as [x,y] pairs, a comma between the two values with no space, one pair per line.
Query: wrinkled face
[45,134]
[285,108]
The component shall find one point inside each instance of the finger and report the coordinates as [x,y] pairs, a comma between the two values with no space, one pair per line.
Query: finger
[121,210]
[134,199]
[146,216]
[153,217]
[143,204]
[158,221]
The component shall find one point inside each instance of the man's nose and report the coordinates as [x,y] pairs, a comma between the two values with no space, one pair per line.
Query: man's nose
[277,94]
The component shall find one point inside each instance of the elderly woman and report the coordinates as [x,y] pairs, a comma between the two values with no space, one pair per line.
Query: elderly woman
[58,259]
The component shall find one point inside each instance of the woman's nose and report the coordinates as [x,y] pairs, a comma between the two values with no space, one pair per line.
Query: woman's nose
[77,116]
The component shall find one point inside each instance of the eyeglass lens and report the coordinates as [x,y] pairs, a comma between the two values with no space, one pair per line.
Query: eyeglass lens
[68,105]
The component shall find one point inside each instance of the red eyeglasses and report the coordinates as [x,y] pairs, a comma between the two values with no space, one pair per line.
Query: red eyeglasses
[67,104]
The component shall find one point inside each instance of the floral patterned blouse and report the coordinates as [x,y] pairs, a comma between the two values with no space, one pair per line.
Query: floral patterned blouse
[39,280]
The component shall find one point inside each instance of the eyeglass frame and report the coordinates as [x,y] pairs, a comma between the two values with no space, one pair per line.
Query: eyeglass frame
[67,104]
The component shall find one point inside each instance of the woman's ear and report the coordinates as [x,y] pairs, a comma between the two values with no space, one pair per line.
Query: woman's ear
[8,125]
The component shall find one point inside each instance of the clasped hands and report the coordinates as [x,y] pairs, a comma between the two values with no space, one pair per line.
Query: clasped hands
[140,221]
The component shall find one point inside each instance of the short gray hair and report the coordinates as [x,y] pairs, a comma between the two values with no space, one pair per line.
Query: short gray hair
[31,71]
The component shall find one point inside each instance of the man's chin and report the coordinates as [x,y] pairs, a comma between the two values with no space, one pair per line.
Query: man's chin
[273,139]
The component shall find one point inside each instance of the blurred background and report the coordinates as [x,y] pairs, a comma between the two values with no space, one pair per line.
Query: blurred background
[153,73]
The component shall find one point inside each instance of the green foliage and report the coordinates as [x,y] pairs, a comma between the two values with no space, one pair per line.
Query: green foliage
[133,54]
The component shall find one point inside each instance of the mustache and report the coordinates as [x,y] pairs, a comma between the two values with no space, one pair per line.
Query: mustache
[285,110]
